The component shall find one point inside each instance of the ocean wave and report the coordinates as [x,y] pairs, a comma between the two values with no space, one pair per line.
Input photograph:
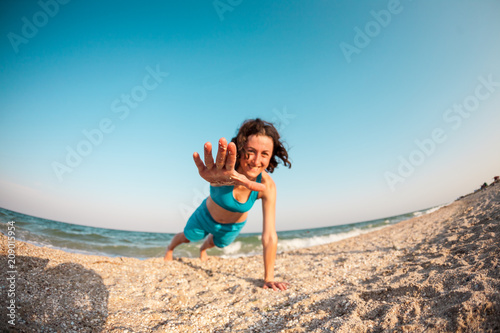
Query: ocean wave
[299,243]
[429,211]
[142,245]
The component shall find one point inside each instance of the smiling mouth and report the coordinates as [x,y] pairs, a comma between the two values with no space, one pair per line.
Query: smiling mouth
[253,169]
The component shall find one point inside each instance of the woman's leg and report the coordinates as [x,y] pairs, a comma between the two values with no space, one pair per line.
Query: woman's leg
[208,244]
[177,240]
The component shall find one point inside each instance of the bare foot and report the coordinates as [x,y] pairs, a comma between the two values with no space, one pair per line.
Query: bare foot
[203,255]
[169,256]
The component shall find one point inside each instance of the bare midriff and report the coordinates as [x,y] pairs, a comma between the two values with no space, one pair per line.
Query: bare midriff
[222,215]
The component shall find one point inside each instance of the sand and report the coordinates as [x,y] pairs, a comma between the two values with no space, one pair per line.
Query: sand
[434,273]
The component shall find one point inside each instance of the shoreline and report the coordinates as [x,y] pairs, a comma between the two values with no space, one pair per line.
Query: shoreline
[436,272]
[290,240]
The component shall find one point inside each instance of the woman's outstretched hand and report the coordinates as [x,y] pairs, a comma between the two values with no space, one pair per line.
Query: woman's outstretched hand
[222,172]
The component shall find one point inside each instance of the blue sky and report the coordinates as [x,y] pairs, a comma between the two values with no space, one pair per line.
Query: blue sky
[386,106]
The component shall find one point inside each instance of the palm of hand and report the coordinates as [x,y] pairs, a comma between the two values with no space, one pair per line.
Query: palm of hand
[222,172]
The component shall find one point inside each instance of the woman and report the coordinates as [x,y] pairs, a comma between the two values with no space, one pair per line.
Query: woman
[237,178]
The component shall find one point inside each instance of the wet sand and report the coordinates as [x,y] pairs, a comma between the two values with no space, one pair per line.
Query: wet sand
[434,273]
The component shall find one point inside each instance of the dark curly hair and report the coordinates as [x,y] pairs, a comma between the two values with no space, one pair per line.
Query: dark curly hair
[261,127]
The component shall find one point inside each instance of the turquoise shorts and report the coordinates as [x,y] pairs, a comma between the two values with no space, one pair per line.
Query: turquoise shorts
[201,224]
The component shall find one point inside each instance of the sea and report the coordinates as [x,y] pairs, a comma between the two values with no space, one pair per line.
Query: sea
[142,245]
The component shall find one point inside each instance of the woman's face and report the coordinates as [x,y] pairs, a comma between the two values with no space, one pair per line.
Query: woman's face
[259,149]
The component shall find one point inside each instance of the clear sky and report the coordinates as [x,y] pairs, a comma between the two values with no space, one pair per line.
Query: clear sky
[386,106]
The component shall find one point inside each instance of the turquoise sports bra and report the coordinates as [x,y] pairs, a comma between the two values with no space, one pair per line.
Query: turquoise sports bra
[223,196]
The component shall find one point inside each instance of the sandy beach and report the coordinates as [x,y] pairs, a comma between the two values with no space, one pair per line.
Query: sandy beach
[434,273]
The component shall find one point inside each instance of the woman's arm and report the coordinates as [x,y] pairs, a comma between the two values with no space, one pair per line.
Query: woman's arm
[269,236]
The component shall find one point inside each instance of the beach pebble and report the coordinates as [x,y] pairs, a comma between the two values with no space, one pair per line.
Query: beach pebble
[436,272]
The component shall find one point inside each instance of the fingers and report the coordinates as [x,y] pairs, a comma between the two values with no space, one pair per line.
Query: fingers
[231,156]
[239,179]
[198,162]
[276,285]
[284,285]
[254,186]
[209,159]
[281,286]
[220,160]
